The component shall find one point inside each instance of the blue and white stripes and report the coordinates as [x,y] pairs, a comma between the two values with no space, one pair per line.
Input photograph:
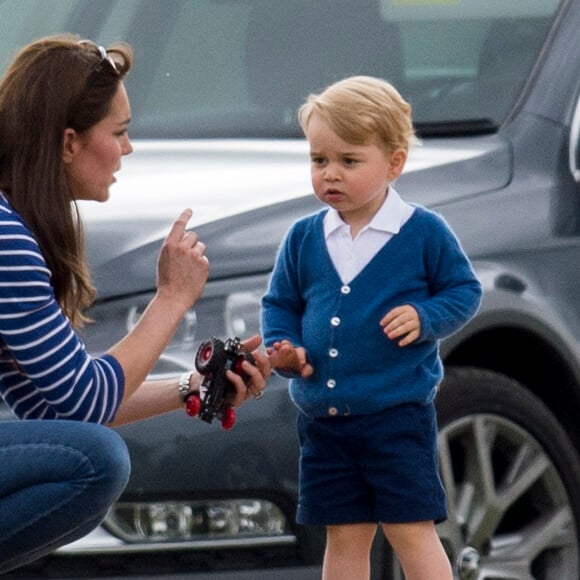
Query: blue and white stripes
[45,370]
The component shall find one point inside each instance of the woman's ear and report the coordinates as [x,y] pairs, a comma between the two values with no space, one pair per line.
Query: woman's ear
[70,145]
[397,161]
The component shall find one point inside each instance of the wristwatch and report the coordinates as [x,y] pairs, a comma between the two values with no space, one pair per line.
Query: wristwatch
[184,388]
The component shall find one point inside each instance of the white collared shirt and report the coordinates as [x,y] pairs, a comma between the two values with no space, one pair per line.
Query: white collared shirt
[349,255]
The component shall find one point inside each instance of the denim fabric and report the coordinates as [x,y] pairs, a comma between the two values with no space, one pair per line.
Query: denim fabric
[57,481]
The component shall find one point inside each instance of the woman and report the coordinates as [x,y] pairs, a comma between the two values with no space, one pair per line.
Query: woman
[64,114]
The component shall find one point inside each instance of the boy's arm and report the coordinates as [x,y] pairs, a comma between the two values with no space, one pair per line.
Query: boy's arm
[456,292]
[282,305]
[456,297]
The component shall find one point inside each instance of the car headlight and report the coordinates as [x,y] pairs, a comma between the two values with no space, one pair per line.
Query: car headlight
[226,309]
[232,519]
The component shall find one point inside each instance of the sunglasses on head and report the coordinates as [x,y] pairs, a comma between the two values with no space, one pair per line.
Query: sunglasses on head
[105,57]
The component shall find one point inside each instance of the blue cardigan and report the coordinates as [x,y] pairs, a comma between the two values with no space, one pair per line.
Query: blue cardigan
[357,369]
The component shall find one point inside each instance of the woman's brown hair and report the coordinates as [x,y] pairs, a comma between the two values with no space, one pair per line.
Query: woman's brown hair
[55,83]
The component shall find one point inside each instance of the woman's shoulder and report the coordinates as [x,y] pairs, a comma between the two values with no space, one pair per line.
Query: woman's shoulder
[7,212]
[14,234]
[5,207]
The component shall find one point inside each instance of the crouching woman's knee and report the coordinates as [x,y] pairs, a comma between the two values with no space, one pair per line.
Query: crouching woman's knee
[110,465]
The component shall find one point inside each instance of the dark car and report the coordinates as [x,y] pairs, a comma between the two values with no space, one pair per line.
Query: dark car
[495,90]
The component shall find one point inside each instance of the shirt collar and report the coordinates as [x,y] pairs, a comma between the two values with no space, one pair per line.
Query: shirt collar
[391,216]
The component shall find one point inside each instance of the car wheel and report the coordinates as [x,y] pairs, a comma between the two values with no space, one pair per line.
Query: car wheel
[512,478]
[210,356]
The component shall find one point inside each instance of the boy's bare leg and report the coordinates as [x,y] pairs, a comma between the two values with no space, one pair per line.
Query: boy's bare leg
[419,550]
[347,555]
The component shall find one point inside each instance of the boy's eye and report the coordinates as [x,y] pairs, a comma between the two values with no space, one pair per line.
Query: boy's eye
[318,160]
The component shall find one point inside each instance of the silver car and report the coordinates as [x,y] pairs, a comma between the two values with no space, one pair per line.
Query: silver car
[495,89]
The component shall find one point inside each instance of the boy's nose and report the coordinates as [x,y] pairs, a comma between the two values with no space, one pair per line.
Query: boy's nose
[331,173]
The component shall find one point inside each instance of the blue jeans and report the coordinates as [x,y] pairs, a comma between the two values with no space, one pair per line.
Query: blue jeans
[57,481]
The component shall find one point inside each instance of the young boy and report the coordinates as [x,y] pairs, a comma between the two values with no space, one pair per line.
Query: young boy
[360,296]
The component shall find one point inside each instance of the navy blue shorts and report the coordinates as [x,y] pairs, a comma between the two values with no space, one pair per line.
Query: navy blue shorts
[370,468]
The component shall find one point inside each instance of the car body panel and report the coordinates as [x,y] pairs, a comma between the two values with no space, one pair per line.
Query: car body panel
[160,179]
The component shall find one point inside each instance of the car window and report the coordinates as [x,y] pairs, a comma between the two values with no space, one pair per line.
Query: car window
[241,68]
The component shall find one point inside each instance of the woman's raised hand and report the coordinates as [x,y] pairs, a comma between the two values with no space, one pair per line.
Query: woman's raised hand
[183,267]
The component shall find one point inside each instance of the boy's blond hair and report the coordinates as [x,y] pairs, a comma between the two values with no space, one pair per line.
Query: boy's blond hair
[361,108]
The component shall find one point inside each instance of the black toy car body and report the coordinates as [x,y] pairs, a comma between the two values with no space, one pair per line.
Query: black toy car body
[213,359]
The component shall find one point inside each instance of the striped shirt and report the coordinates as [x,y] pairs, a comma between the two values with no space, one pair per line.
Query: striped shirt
[45,369]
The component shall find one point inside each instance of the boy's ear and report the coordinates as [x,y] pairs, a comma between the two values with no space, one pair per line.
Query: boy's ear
[70,145]
[397,162]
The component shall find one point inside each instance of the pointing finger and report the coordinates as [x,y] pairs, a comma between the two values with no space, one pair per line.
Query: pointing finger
[178,228]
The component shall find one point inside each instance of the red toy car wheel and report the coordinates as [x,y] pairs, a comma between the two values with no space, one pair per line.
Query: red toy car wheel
[229,418]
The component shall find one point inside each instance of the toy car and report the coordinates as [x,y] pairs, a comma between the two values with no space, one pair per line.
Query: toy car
[213,358]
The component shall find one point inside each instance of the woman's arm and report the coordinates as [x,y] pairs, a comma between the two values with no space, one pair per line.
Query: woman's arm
[182,272]
[157,397]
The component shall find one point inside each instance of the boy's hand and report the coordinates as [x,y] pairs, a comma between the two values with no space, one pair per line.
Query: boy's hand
[284,357]
[402,321]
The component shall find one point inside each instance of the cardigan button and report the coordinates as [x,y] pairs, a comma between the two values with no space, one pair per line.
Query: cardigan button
[332,411]
[331,383]
[335,321]
[333,353]
[345,289]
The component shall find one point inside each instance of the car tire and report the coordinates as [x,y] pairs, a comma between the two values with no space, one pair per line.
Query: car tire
[210,356]
[512,478]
